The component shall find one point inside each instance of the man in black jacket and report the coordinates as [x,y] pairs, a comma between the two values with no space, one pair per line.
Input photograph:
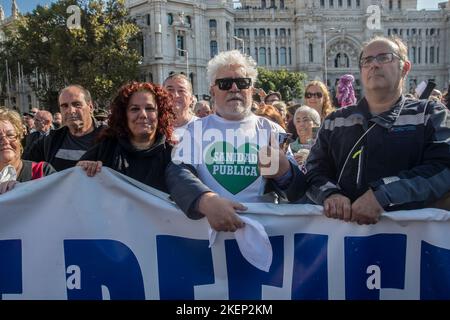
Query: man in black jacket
[63,148]
[385,153]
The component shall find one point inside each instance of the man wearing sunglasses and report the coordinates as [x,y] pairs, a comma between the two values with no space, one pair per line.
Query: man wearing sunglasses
[385,153]
[225,159]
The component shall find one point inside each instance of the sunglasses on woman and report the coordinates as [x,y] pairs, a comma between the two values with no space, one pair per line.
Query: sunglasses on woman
[227,83]
[309,95]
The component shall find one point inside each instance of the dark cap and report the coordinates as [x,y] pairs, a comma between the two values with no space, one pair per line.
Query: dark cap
[272,93]
[30,114]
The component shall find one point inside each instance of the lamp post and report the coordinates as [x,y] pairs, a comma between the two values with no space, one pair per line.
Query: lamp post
[241,41]
[325,53]
[187,60]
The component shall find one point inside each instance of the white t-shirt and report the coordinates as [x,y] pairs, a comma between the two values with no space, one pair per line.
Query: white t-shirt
[179,131]
[225,154]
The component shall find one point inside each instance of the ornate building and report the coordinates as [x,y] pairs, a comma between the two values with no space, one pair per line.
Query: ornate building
[181,36]
[15,89]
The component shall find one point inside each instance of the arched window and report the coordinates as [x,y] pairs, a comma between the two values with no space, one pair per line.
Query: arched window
[169,19]
[282,32]
[342,61]
[283,61]
[311,53]
[263,4]
[213,48]
[212,23]
[187,19]
[262,32]
[262,56]
[281,4]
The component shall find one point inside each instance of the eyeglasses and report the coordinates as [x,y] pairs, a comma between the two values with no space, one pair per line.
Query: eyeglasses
[381,58]
[309,95]
[226,83]
[10,137]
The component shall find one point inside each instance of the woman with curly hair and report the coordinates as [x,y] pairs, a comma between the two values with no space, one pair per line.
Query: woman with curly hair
[137,142]
[12,168]
[318,98]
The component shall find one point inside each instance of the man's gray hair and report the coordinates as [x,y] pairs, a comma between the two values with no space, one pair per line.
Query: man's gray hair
[227,59]
[312,114]
[86,93]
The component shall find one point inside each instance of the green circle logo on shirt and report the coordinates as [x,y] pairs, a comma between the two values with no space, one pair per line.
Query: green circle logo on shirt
[234,169]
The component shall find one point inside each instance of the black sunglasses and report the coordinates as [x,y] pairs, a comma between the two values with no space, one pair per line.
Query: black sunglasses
[309,95]
[227,83]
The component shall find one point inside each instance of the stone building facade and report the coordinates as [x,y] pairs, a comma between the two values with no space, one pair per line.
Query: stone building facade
[290,34]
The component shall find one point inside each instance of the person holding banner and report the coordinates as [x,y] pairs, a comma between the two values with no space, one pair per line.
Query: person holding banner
[137,141]
[231,156]
[386,152]
[12,168]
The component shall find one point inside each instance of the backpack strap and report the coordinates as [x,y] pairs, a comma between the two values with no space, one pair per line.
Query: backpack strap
[37,170]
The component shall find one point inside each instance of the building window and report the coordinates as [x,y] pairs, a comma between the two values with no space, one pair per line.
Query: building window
[431,54]
[419,55]
[169,19]
[282,32]
[227,27]
[276,32]
[281,4]
[212,23]
[290,56]
[262,32]
[255,32]
[148,19]
[277,58]
[426,54]
[262,56]
[213,48]
[431,31]
[322,3]
[263,4]
[413,54]
[349,3]
[240,32]
[399,4]
[437,55]
[272,3]
[247,32]
[283,61]
[228,45]
[331,3]
[289,32]
[340,3]
[311,53]
[268,32]
[256,55]
[390,4]
[358,3]
[269,53]
[180,45]
[187,19]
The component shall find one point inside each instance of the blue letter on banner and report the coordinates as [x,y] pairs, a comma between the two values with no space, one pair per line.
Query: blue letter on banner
[386,251]
[310,274]
[182,264]
[434,272]
[245,280]
[11,266]
[104,262]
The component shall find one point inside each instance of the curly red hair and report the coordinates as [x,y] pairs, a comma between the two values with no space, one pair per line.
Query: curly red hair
[117,123]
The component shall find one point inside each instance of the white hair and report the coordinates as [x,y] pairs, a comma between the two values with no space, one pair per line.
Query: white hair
[227,59]
[312,114]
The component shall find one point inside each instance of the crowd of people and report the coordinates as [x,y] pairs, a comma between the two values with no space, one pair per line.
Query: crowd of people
[387,151]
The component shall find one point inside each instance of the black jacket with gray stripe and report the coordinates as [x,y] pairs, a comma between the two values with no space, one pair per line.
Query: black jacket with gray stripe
[404,158]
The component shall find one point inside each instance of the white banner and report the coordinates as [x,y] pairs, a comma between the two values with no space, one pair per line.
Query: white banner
[68,236]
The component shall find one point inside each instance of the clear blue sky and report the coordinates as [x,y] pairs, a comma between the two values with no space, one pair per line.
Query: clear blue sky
[28,5]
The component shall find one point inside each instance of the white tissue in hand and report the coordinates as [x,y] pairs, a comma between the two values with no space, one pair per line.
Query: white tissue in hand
[254,244]
[8,173]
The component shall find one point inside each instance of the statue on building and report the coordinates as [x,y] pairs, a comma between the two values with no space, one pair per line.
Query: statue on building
[14,9]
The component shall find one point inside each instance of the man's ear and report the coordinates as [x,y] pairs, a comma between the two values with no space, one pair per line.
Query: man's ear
[406,68]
